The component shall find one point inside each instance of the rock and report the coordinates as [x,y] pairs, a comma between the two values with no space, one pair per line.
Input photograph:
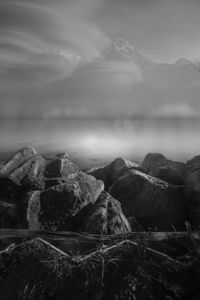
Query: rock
[33,210]
[57,205]
[23,171]
[135,225]
[154,160]
[60,167]
[111,172]
[105,217]
[120,165]
[17,160]
[154,203]
[53,156]
[101,173]
[8,215]
[193,174]
[9,191]
[168,174]
[192,191]
[49,182]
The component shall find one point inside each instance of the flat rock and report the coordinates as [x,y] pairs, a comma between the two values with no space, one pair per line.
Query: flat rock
[154,203]
[105,217]
[53,207]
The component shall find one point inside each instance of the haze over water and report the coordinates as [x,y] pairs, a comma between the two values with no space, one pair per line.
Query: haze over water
[94,141]
[74,72]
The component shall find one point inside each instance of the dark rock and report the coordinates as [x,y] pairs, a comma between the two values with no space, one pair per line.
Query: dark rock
[105,217]
[154,160]
[9,191]
[135,225]
[192,191]
[120,165]
[54,181]
[55,206]
[153,202]
[111,172]
[8,215]
[192,177]
[101,173]
[168,174]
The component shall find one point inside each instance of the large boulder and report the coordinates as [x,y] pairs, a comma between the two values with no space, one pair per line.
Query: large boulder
[168,174]
[154,160]
[111,172]
[153,202]
[105,217]
[192,191]
[56,206]
[23,171]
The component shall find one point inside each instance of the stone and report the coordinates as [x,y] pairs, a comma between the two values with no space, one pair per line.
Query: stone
[49,182]
[192,191]
[54,207]
[60,167]
[111,172]
[105,217]
[154,160]
[168,174]
[17,160]
[23,171]
[101,173]
[154,203]
[8,215]
[33,210]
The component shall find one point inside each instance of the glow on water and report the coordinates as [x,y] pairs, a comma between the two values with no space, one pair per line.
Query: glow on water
[93,139]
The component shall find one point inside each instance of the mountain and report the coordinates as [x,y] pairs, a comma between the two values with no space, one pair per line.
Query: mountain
[121,49]
[122,82]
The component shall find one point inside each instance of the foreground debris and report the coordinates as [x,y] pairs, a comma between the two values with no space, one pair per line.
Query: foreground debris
[124,270]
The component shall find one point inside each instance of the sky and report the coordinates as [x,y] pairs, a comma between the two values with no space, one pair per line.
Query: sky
[54,58]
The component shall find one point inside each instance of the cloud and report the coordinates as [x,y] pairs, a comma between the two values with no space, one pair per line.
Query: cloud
[46,38]
[176,110]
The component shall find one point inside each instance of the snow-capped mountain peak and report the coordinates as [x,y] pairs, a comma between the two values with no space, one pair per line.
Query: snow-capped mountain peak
[123,46]
[121,49]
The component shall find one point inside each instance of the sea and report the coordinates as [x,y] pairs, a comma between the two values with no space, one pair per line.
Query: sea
[95,141]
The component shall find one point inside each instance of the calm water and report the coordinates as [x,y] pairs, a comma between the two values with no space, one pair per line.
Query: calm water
[91,142]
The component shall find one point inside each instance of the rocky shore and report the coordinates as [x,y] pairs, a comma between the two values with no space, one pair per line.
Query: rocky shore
[121,209]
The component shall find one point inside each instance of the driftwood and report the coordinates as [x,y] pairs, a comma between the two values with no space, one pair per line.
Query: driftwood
[36,270]
[84,243]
